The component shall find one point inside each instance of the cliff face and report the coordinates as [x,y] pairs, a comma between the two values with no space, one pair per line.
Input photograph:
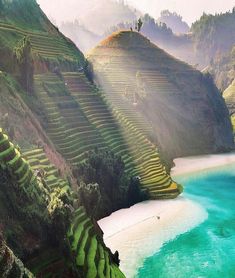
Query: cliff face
[186,111]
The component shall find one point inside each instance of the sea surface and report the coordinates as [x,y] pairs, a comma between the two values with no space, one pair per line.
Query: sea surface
[208,250]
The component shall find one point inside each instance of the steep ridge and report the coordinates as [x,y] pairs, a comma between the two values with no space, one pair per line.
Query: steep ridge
[170,95]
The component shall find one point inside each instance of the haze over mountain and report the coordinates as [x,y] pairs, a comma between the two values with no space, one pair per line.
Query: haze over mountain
[190,11]
[95,15]
[80,35]
[70,10]
[174,21]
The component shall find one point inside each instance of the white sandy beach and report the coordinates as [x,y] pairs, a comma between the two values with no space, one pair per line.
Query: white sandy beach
[138,233]
[192,164]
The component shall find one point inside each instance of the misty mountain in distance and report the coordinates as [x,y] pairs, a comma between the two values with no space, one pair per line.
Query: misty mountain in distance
[82,37]
[95,20]
[174,21]
[107,13]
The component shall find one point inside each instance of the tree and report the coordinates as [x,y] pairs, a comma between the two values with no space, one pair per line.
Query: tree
[25,63]
[139,24]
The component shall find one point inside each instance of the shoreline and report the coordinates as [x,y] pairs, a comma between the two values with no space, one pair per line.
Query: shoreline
[193,164]
[140,231]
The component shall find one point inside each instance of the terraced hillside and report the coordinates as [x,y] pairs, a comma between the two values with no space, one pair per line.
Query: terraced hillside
[90,251]
[91,256]
[11,159]
[41,165]
[78,120]
[50,49]
[30,201]
[170,95]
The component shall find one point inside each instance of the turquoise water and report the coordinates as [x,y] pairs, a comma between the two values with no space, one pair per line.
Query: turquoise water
[209,249]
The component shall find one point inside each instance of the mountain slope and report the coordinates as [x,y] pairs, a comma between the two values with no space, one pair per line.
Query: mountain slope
[79,120]
[184,107]
[30,197]
[49,48]
[37,205]
[57,123]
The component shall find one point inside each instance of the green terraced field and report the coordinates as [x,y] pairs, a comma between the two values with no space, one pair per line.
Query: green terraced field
[85,243]
[82,119]
[11,159]
[90,253]
[48,45]
[38,161]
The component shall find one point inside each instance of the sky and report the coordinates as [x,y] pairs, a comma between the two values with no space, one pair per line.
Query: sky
[190,10]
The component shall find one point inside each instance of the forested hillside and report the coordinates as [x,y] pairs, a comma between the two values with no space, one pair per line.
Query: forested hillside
[214,35]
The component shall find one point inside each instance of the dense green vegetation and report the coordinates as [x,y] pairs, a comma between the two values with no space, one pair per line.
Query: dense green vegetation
[105,187]
[90,256]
